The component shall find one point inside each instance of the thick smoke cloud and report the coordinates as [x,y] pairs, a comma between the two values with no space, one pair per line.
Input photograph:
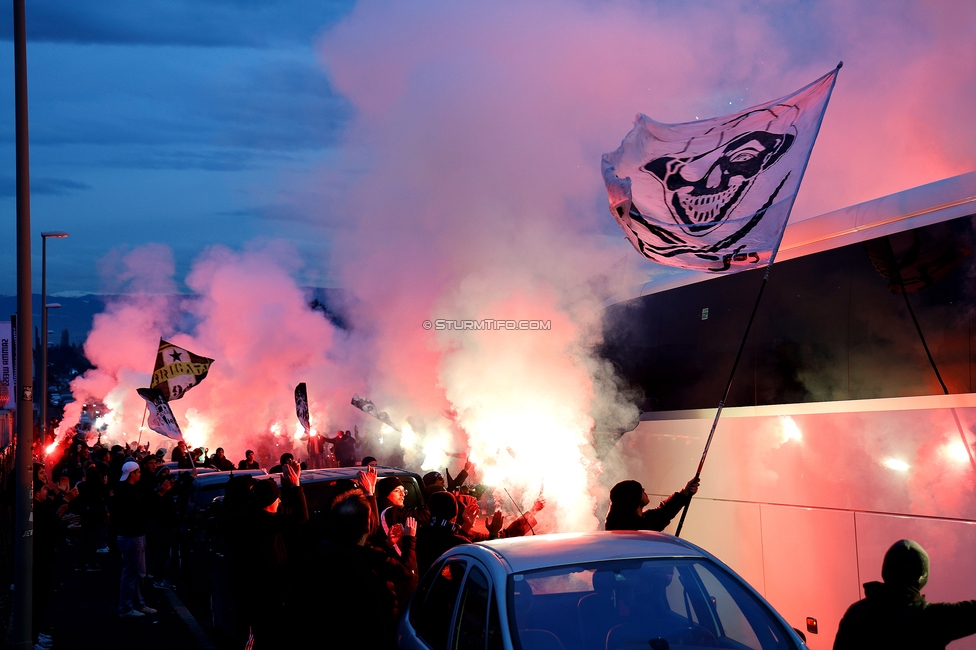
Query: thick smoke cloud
[467,187]
[483,125]
[247,313]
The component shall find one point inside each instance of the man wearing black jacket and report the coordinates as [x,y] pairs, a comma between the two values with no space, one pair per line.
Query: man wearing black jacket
[130,509]
[358,609]
[220,462]
[894,615]
[627,502]
[263,553]
[441,533]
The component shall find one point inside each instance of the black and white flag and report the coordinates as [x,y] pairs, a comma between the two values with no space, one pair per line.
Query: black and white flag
[161,418]
[715,195]
[367,406]
[301,406]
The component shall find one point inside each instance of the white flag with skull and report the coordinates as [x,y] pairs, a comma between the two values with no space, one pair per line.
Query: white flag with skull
[715,195]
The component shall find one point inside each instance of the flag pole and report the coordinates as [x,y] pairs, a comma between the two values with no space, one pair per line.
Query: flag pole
[762,287]
[928,353]
[145,410]
[725,395]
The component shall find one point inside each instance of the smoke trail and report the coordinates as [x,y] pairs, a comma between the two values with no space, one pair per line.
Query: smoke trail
[248,313]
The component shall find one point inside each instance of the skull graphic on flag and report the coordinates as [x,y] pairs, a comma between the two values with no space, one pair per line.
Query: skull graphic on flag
[714,195]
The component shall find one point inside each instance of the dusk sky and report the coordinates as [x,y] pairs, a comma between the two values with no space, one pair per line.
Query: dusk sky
[192,124]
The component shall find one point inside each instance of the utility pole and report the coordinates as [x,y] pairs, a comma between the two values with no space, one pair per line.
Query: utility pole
[21,635]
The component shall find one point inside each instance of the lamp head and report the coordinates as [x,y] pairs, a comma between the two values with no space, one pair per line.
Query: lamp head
[55,234]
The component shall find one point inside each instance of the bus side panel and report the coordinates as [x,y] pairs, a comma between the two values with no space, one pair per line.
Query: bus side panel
[732,532]
[909,461]
[811,567]
[951,546]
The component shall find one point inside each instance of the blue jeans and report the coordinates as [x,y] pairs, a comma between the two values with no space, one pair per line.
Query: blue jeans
[133,551]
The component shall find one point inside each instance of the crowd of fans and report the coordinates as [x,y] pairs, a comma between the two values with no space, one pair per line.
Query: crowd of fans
[351,565]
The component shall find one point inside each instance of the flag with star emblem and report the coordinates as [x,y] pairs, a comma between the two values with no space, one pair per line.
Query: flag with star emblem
[161,418]
[177,370]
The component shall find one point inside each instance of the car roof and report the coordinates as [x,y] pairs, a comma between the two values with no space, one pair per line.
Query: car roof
[185,470]
[337,473]
[222,477]
[540,551]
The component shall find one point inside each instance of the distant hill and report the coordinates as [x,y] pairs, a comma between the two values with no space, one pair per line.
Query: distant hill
[77,312]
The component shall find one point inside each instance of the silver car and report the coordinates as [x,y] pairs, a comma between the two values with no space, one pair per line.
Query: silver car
[617,590]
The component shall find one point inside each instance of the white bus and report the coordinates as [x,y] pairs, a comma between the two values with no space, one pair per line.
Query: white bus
[837,439]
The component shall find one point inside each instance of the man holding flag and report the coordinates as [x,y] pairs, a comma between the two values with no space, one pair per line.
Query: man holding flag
[715,195]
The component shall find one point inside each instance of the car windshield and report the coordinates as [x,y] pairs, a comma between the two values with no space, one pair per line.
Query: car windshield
[661,603]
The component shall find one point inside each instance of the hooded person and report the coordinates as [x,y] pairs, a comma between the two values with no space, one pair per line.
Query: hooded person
[391,494]
[894,614]
[361,596]
[627,502]
[441,533]
[266,552]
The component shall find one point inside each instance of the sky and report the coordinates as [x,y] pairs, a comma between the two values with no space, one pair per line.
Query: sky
[193,124]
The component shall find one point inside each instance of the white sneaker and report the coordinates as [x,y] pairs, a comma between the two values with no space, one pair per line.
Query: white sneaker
[133,613]
[104,549]
[145,609]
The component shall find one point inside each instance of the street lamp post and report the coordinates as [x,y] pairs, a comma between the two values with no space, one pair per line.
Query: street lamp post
[54,234]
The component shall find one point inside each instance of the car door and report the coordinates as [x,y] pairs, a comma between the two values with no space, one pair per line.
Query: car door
[432,609]
[476,621]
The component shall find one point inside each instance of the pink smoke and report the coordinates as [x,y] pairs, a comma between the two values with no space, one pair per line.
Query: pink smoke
[247,313]
[478,195]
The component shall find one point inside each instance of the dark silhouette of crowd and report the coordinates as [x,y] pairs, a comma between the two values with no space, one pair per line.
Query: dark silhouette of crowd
[352,564]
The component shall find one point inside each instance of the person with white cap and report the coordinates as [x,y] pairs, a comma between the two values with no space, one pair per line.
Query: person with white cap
[130,509]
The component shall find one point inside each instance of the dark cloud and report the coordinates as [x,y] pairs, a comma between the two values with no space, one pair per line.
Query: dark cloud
[286,105]
[270,212]
[214,23]
[42,186]
[225,117]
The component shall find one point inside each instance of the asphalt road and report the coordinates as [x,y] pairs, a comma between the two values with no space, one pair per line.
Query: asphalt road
[84,612]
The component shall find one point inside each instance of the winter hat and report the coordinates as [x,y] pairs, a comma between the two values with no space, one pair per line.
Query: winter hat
[265,493]
[387,485]
[430,478]
[626,495]
[443,506]
[127,469]
[906,564]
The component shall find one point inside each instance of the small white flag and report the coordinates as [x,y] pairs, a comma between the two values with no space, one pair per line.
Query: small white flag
[161,418]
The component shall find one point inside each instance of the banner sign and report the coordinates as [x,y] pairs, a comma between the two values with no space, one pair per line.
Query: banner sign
[7,381]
